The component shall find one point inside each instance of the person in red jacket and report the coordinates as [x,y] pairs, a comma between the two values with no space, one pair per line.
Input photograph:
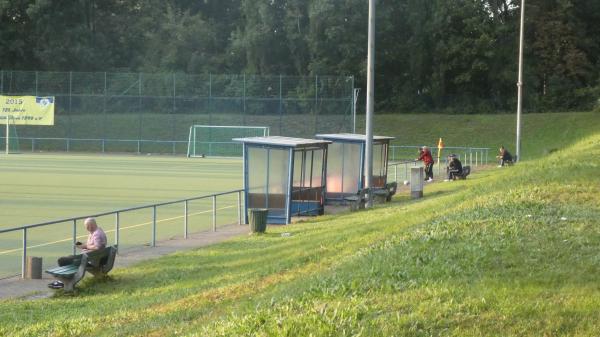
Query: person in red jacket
[425,156]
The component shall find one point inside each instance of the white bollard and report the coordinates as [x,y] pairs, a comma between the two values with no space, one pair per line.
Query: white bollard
[417,177]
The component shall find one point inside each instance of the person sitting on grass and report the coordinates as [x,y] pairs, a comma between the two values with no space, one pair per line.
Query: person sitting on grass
[96,240]
[454,167]
[427,158]
[504,157]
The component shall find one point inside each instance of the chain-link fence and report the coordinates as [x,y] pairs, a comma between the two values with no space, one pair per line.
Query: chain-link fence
[141,112]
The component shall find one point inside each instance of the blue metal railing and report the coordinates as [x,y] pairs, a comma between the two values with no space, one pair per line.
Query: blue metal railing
[117,214]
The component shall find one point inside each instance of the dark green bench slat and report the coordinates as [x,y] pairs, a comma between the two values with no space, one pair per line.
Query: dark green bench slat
[63,271]
[72,274]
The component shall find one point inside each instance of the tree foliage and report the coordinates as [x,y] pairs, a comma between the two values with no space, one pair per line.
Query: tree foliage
[435,55]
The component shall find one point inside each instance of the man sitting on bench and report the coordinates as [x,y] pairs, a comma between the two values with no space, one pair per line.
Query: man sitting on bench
[454,168]
[96,240]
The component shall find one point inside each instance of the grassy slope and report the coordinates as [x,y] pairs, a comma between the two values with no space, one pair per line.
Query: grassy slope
[489,256]
[541,133]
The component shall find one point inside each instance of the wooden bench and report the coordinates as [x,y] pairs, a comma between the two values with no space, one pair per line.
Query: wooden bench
[358,200]
[98,263]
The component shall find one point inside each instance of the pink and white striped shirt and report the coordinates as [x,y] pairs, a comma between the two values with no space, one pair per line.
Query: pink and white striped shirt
[96,239]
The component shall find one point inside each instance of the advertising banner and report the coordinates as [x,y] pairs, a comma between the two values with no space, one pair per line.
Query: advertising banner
[27,110]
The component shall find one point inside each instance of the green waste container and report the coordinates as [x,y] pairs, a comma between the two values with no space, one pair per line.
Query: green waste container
[258,220]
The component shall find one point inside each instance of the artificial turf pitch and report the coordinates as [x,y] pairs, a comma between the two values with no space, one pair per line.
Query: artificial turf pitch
[37,188]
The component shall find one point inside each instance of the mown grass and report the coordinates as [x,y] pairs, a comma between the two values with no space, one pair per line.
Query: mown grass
[508,252]
[39,188]
[541,133]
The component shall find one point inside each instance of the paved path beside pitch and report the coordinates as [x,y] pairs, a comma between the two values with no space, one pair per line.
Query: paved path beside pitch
[32,289]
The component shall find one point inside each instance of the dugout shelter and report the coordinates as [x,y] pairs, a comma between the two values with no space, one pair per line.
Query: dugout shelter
[346,164]
[284,175]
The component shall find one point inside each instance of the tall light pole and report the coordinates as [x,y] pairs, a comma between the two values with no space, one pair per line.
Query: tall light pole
[370,102]
[520,82]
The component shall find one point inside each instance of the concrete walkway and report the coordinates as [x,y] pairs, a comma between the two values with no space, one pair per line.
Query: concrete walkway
[17,287]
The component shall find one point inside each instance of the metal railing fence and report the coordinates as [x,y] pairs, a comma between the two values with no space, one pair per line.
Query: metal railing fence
[400,171]
[473,156]
[213,204]
[399,165]
[54,144]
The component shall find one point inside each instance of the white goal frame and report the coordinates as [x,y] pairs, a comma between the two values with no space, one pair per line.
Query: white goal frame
[191,150]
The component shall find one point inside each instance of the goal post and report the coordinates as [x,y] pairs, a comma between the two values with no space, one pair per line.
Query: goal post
[11,138]
[216,140]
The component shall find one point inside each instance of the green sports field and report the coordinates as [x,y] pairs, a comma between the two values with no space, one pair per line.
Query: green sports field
[37,188]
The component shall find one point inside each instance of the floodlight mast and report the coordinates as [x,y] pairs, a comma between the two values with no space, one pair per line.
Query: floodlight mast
[520,83]
[370,103]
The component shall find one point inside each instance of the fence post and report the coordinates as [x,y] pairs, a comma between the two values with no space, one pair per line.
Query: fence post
[24,255]
[32,144]
[210,99]
[185,219]
[476,153]
[239,201]
[470,156]
[173,112]
[154,226]
[396,173]
[104,98]
[280,104]
[316,103]
[117,229]
[244,102]
[74,235]
[174,93]
[214,212]
[139,107]
[69,129]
